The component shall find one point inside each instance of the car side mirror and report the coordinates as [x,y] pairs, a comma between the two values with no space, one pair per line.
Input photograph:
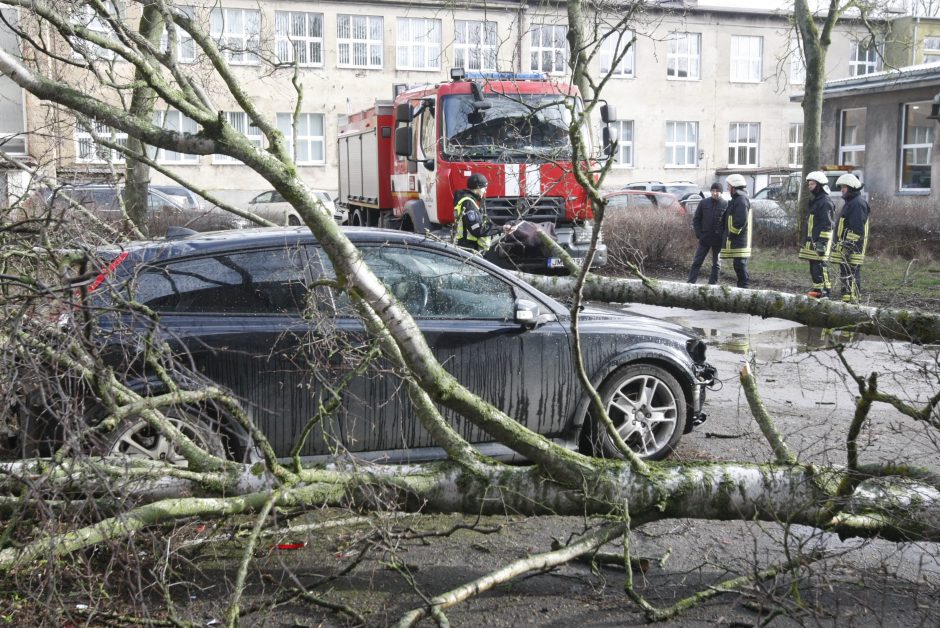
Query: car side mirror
[403,113]
[403,141]
[526,313]
[609,136]
[608,113]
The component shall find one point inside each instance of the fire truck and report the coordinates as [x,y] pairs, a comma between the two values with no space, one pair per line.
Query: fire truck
[402,161]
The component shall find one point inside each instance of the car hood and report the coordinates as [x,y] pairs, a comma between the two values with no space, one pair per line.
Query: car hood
[596,317]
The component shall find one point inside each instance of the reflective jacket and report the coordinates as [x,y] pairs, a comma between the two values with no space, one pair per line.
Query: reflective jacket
[852,230]
[818,227]
[473,226]
[737,237]
[708,222]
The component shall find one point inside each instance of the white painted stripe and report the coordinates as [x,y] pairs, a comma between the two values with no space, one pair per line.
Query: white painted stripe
[533,180]
[511,183]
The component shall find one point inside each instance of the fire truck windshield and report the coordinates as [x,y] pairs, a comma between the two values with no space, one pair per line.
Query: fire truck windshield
[515,127]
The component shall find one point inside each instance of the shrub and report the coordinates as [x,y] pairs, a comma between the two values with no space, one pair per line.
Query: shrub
[906,227]
[651,239]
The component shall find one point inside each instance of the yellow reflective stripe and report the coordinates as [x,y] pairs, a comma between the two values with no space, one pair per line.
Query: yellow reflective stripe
[852,236]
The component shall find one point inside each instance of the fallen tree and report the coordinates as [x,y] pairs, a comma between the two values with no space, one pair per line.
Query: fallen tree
[91,502]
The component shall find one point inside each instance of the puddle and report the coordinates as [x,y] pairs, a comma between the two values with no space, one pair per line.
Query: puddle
[766,338]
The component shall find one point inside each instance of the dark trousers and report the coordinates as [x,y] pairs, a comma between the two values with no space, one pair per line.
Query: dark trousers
[699,258]
[851,280]
[819,272]
[740,269]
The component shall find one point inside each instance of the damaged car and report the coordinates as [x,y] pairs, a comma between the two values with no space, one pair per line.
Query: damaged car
[257,313]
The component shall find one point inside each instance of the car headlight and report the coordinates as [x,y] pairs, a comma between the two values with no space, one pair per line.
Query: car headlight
[696,348]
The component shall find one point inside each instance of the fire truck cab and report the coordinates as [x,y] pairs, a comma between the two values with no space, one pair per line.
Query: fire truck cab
[402,162]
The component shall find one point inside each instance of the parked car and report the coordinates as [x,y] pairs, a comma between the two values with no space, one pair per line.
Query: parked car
[249,312]
[272,206]
[770,192]
[632,200]
[182,195]
[680,189]
[105,202]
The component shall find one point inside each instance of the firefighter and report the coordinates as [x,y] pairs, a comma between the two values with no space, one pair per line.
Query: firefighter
[851,236]
[816,247]
[473,225]
[737,236]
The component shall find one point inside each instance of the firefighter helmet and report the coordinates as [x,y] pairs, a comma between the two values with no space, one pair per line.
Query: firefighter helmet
[736,181]
[476,181]
[850,180]
[818,176]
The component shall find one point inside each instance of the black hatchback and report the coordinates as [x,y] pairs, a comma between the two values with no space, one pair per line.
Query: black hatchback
[256,313]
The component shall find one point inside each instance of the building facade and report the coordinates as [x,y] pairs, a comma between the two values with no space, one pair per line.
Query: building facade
[700,91]
[880,124]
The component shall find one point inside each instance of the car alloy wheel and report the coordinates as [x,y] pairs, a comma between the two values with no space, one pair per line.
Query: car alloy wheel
[647,406]
[135,438]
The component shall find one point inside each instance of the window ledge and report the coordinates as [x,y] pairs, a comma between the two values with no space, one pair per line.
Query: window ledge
[913,192]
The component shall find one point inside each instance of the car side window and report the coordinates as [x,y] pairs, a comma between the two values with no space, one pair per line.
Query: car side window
[640,201]
[433,284]
[255,282]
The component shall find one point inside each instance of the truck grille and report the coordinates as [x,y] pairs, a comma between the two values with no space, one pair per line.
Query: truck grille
[532,208]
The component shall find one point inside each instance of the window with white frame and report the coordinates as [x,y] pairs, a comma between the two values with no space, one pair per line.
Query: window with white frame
[237,33]
[916,145]
[795,145]
[931,49]
[419,44]
[624,156]
[615,44]
[852,137]
[89,150]
[682,143]
[549,48]
[359,40]
[87,17]
[240,122]
[684,56]
[746,59]
[743,143]
[299,37]
[797,63]
[475,45]
[864,59]
[305,140]
[185,46]
[173,120]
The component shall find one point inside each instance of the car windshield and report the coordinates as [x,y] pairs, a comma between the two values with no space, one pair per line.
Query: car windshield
[523,125]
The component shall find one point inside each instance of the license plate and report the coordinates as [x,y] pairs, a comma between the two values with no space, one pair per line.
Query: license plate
[555,262]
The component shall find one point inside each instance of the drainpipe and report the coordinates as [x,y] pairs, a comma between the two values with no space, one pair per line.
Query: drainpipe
[914,39]
[520,31]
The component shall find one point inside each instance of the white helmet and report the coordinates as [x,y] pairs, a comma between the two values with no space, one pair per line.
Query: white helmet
[850,180]
[818,176]
[736,181]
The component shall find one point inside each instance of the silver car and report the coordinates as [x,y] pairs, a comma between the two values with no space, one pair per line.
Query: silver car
[272,206]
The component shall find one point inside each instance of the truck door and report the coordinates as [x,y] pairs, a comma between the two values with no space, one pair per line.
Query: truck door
[427,150]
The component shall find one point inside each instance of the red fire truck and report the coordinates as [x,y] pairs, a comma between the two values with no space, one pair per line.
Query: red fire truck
[401,161]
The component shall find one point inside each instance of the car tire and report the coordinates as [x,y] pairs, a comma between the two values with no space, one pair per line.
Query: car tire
[647,406]
[293,221]
[135,438]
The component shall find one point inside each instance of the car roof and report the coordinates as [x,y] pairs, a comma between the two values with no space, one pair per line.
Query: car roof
[260,237]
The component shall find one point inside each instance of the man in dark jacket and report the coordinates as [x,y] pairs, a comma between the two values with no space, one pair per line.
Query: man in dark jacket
[737,237]
[852,236]
[473,225]
[708,224]
[818,238]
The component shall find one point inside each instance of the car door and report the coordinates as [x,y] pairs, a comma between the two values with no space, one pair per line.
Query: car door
[237,318]
[465,312]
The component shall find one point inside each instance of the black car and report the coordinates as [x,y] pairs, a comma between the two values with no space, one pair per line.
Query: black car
[249,311]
